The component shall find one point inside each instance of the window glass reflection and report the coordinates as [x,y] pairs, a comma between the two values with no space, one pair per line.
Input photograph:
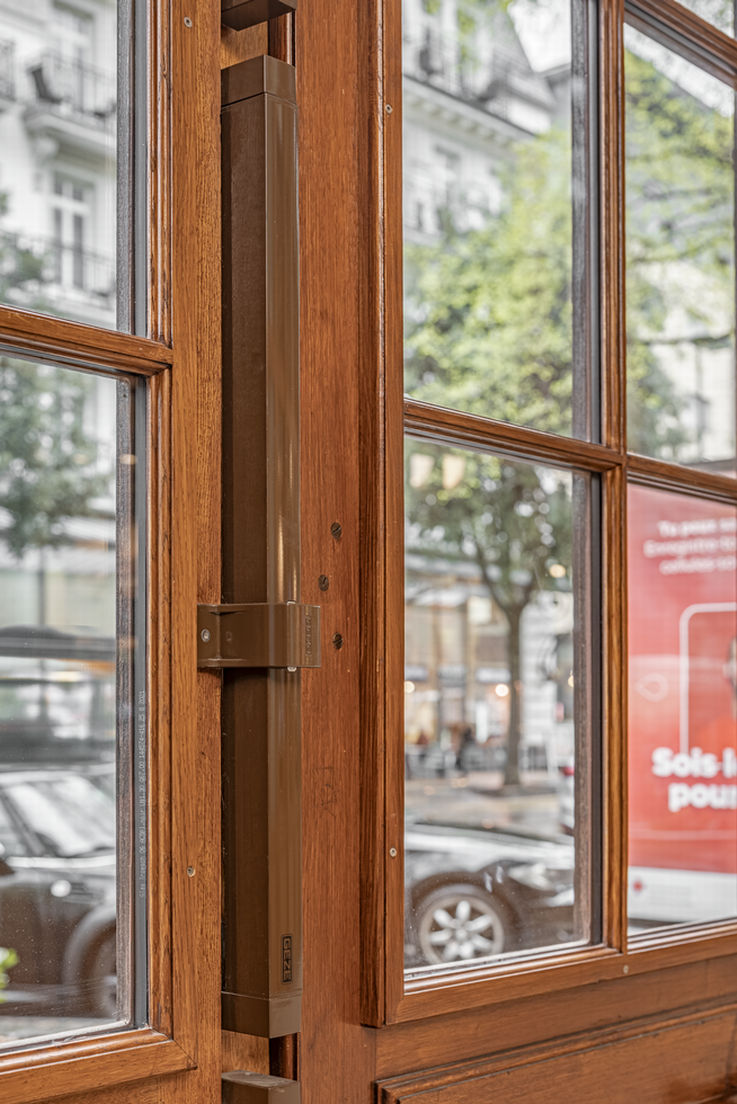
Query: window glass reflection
[65,190]
[65,595]
[682,709]
[718,12]
[490,260]
[680,259]
[492,863]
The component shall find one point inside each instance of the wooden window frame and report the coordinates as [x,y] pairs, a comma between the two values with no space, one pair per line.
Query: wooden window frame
[180,362]
[386,415]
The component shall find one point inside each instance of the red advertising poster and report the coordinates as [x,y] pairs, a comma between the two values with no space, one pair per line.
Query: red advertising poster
[682,706]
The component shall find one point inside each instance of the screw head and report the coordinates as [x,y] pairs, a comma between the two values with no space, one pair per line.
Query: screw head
[337,530]
[389,109]
[323,582]
[205,636]
[187,21]
[337,641]
[393,852]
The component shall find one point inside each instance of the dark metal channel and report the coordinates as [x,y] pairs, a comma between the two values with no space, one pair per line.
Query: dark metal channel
[247,13]
[262,923]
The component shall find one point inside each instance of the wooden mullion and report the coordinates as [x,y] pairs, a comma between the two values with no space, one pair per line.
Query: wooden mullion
[613,356]
[158,515]
[393,307]
[159,175]
[454,427]
[613,719]
[687,34]
[85,1065]
[614,702]
[378,731]
[59,339]
[662,474]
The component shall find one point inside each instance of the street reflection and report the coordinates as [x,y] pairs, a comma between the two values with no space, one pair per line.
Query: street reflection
[59,690]
[490,855]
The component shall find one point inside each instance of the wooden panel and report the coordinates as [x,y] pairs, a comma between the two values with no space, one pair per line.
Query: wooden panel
[692,1061]
[195,545]
[336,1054]
[608,1005]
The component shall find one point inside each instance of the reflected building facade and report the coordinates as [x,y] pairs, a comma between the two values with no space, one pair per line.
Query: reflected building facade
[58,198]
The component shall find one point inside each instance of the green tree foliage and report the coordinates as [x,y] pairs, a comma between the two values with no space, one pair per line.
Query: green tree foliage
[489,330]
[513,522]
[680,241]
[47,472]
[8,959]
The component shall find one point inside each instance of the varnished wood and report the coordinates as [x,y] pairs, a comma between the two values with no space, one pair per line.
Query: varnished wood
[159,174]
[436,423]
[61,340]
[281,38]
[97,1063]
[612,288]
[686,1060]
[183,454]
[475,988]
[238,46]
[378,369]
[195,544]
[160,704]
[674,477]
[613,734]
[336,1054]
[393,415]
[244,1052]
[685,32]
[613,1003]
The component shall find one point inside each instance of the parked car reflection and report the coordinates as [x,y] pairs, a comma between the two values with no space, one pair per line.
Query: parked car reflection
[57,889]
[478,893]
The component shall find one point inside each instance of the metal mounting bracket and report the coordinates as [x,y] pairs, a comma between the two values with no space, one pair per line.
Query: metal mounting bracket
[258,634]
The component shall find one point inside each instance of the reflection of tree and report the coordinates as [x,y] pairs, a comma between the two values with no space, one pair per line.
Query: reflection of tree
[489,323]
[46,462]
[512,521]
[680,222]
[47,471]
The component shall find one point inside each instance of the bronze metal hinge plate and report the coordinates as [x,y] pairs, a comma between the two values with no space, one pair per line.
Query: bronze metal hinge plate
[258,634]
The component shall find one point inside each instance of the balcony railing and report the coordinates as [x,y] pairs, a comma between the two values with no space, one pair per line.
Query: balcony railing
[71,88]
[457,69]
[7,70]
[32,262]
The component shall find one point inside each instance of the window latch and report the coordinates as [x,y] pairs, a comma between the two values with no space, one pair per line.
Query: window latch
[258,634]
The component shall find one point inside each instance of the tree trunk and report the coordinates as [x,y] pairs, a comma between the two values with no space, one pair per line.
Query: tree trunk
[514,732]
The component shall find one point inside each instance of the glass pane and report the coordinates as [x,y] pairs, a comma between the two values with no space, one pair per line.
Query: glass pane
[67,679]
[491,258]
[682,709]
[495,702]
[66,182]
[718,12]
[680,259]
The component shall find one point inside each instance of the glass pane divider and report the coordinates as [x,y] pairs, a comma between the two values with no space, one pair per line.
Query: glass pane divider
[59,339]
[687,33]
[660,473]
[455,427]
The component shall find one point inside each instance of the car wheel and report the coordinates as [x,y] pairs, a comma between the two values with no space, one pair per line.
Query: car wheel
[460,922]
[102,983]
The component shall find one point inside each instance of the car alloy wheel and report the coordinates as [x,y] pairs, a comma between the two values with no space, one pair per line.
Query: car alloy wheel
[461,922]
